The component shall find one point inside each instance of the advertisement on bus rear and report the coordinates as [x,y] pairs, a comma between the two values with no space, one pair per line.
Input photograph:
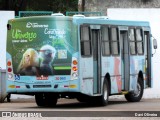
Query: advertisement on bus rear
[41,47]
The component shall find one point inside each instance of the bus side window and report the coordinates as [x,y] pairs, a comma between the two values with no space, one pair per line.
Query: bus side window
[139,41]
[115,41]
[105,41]
[132,42]
[85,41]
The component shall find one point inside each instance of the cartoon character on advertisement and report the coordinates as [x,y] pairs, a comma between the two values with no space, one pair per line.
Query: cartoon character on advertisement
[46,55]
[29,63]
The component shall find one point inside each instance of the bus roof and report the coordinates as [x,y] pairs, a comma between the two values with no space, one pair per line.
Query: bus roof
[87,20]
[105,20]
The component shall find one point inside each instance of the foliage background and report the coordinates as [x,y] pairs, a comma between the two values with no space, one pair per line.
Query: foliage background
[39,5]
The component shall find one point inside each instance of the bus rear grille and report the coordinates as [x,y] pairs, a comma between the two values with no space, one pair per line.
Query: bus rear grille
[42,86]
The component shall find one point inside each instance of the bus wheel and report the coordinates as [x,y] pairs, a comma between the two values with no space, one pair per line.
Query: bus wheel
[40,99]
[136,95]
[103,99]
[80,99]
[84,98]
[51,99]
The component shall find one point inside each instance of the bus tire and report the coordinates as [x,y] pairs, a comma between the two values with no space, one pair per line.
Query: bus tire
[84,98]
[136,96]
[40,99]
[51,99]
[103,99]
[81,99]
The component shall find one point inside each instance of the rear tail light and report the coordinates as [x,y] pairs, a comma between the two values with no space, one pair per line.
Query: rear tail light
[9,63]
[74,70]
[75,62]
[10,70]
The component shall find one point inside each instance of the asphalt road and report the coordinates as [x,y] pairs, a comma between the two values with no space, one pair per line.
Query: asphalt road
[73,108]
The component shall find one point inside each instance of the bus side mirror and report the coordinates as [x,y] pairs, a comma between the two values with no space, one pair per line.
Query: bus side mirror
[154,43]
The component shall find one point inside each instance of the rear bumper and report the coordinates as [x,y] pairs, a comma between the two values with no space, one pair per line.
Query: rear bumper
[64,86]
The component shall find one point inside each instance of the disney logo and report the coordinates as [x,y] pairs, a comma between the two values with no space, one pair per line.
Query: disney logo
[35,25]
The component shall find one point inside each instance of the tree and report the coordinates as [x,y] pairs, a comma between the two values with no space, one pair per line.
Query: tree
[63,5]
[53,5]
[39,5]
[16,5]
[81,4]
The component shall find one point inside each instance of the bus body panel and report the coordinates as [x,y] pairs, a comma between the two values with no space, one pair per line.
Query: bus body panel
[86,70]
[137,63]
[112,65]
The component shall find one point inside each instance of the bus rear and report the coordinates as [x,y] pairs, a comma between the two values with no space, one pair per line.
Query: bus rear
[42,55]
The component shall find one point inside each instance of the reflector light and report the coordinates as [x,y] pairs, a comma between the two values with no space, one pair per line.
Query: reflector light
[75,62]
[66,86]
[72,86]
[75,75]
[74,68]
[10,76]
[9,63]
[11,86]
[9,69]
[17,86]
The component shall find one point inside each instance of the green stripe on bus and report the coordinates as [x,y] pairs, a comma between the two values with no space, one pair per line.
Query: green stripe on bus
[62,68]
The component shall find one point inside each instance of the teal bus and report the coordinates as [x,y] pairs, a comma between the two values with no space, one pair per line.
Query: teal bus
[87,58]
